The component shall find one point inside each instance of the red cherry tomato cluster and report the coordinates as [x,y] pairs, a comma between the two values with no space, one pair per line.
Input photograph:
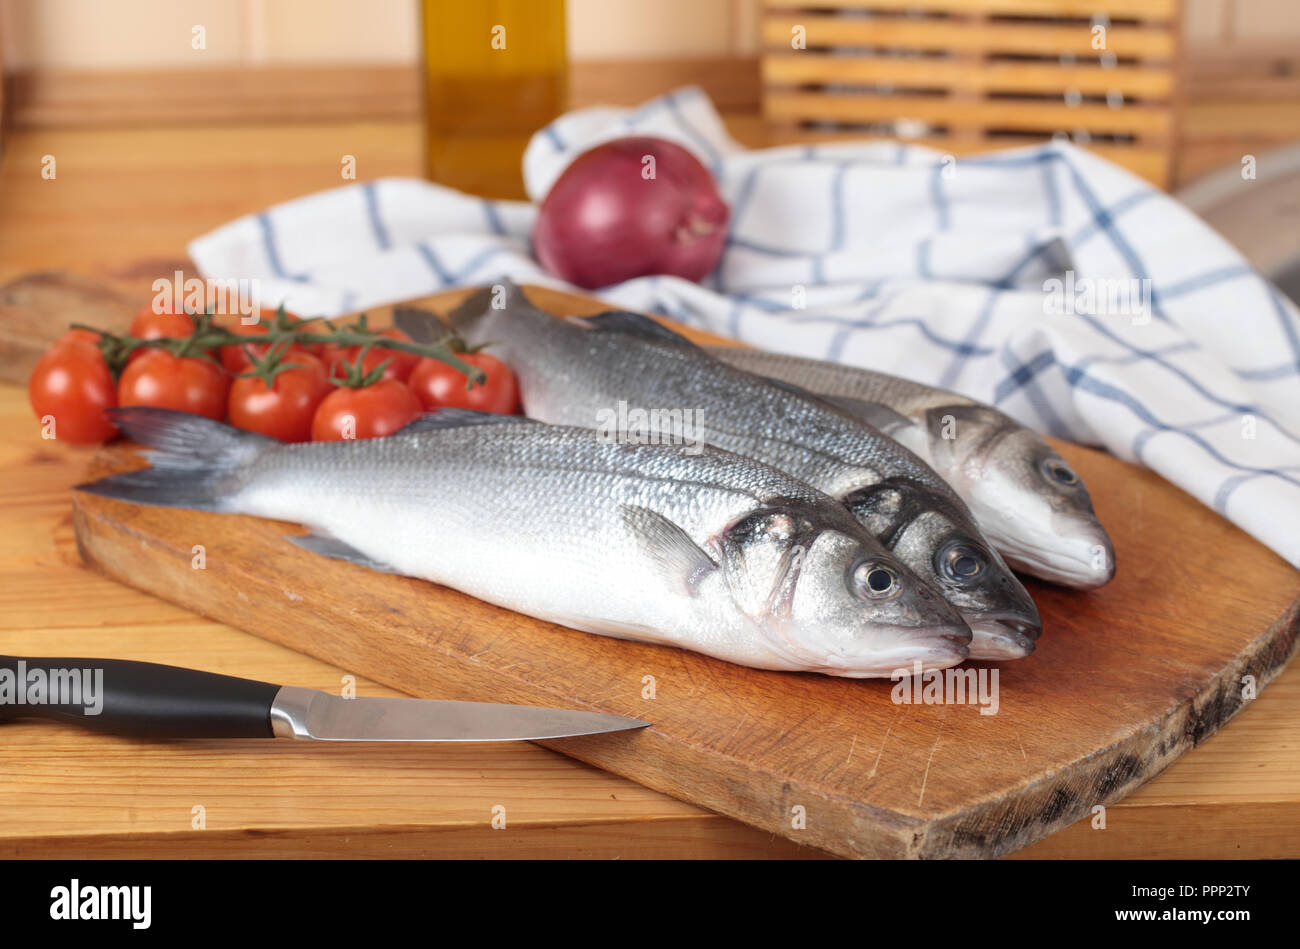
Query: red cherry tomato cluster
[288,389]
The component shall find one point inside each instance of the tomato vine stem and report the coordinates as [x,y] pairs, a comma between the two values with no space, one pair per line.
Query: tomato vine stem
[207,336]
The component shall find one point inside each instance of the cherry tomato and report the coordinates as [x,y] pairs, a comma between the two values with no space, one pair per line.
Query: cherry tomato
[78,336]
[150,325]
[404,362]
[190,384]
[316,325]
[71,383]
[438,385]
[370,412]
[284,411]
[336,356]
[235,358]
[399,365]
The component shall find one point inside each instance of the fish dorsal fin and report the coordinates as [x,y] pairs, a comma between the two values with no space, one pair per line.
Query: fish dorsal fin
[791,387]
[880,417]
[458,418]
[680,558]
[633,324]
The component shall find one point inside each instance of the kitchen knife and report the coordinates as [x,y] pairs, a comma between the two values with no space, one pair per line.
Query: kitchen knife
[147,700]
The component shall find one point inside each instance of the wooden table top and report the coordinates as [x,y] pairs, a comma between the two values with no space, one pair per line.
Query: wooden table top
[121,208]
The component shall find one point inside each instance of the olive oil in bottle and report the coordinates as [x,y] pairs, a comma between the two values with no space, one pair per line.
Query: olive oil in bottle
[494,74]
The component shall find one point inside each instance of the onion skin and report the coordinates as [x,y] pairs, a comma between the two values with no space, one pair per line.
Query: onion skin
[604,222]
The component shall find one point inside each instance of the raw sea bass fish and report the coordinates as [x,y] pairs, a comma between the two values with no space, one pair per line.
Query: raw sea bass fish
[1024,496]
[580,372]
[706,551]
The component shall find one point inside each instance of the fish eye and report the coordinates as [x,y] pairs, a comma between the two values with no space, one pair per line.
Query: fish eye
[1057,470]
[961,563]
[875,581]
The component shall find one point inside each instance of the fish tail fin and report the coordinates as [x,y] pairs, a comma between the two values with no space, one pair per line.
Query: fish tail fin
[194,460]
[424,326]
[477,319]
[474,309]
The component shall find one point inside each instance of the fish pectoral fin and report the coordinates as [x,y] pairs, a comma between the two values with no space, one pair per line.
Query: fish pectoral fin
[327,545]
[634,324]
[672,548]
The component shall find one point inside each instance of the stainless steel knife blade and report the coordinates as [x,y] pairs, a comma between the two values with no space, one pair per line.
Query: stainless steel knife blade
[319,716]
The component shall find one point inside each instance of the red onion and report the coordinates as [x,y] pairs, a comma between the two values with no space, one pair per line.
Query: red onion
[613,215]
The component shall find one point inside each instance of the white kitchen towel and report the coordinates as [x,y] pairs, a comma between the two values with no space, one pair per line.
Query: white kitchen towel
[1045,280]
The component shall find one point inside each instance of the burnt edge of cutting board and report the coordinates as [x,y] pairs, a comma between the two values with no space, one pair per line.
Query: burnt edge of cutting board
[1051,804]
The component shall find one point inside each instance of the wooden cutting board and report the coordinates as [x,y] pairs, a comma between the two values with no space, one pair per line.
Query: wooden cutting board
[1125,679]
[36,309]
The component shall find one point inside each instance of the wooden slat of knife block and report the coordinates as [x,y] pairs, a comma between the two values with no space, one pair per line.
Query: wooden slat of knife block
[1124,681]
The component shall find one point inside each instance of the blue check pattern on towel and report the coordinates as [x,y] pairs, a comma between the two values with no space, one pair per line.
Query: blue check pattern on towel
[1044,280]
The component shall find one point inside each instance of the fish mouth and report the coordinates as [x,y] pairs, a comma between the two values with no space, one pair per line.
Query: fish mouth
[937,648]
[1067,547]
[1080,560]
[1002,637]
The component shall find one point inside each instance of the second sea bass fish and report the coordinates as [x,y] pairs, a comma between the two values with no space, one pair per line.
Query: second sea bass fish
[1027,499]
[706,551]
[586,372]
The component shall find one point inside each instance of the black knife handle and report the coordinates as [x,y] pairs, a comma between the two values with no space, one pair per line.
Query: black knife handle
[143,699]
